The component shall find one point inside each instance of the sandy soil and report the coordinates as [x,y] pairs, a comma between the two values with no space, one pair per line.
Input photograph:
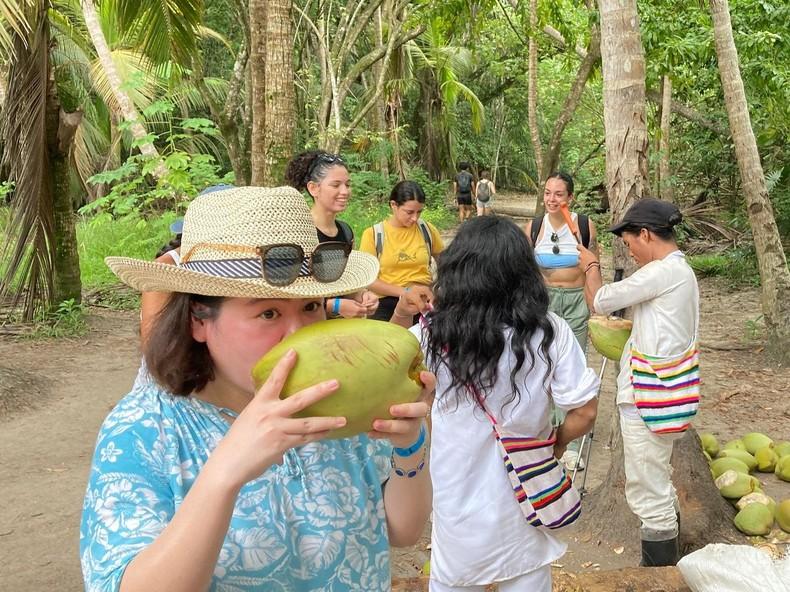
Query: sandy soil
[55,393]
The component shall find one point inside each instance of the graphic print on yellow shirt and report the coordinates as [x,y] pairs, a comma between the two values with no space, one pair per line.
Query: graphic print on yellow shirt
[404,259]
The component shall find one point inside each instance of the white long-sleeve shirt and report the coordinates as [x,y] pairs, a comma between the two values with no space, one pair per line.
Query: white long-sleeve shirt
[479,533]
[664,297]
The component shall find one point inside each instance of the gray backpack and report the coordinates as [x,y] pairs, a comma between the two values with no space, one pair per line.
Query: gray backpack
[484,190]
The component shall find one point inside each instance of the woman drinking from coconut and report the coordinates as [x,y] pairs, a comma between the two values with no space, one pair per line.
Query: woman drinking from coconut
[555,250]
[501,358]
[658,385]
[326,180]
[404,245]
[204,483]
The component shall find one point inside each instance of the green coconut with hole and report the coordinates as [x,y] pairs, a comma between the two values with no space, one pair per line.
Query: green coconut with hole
[377,365]
[609,335]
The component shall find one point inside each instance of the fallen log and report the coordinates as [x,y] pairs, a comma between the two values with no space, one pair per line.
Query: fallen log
[506,210]
[629,579]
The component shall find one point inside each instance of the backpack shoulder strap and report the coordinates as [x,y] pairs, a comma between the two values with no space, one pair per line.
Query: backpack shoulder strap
[426,234]
[537,222]
[378,238]
[348,233]
[583,222]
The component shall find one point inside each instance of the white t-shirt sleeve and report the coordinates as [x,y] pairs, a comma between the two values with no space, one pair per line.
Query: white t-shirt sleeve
[644,284]
[572,383]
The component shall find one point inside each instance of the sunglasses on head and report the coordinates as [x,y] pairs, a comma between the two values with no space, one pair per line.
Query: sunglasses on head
[278,264]
[320,160]
[555,239]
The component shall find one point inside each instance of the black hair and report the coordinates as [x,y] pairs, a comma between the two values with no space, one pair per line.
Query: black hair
[463,165]
[406,191]
[563,176]
[488,280]
[312,165]
[175,243]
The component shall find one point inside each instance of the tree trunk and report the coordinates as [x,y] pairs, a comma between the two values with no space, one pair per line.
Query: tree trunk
[257,62]
[124,103]
[532,92]
[623,64]
[66,260]
[774,274]
[280,101]
[665,190]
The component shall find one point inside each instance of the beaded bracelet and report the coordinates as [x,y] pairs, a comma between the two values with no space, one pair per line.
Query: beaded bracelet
[409,473]
[409,450]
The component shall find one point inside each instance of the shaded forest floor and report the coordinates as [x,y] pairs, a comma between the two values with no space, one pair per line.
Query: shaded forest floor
[54,394]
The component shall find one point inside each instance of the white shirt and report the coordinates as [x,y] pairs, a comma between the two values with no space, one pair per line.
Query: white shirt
[479,532]
[665,301]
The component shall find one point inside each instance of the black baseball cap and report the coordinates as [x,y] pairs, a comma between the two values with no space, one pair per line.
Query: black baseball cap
[653,214]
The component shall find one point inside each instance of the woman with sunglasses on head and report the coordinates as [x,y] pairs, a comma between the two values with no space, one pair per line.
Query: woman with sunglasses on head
[204,483]
[404,245]
[326,180]
[555,251]
[495,348]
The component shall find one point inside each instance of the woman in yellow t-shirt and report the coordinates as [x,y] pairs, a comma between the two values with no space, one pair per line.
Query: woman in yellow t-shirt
[404,252]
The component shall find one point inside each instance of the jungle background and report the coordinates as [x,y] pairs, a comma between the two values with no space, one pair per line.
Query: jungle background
[114,114]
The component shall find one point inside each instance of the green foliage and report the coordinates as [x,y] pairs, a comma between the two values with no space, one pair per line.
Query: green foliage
[67,320]
[737,266]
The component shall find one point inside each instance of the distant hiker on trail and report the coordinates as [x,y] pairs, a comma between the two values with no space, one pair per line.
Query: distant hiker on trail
[485,192]
[404,245]
[200,481]
[555,251]
[464,189]
[658,385]
[496,349]
[326,180]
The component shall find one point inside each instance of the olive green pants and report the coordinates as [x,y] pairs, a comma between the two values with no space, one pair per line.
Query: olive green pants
[569,304]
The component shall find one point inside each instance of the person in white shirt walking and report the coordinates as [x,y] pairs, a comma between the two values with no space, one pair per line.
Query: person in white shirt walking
[664,299]
[491,331]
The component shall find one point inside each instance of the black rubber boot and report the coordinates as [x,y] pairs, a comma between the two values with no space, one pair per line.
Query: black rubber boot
[659,553]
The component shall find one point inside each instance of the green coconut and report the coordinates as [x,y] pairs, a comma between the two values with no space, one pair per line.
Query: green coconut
[727,463]
[741,455]
[782,469]
[782,514]
[754,519]
[766,459]
[609,335]
[736,444]
[710,444]
[754,441]
[757,497]
[377,365]
[734,485]
[782,449]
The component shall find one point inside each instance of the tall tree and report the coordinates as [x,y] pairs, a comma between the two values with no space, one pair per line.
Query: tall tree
[532,91]
[274,107]
[774,274]
[664,184]
[623,63]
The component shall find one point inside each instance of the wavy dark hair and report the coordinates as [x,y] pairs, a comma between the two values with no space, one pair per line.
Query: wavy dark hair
[311,165]
[487,281]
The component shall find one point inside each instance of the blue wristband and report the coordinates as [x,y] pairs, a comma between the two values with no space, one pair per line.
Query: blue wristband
[336,307]
[414,447]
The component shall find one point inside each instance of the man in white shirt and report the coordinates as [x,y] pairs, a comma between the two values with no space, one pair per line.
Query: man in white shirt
[664,299]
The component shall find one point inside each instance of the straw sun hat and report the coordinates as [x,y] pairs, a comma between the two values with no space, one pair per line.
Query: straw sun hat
[218,249]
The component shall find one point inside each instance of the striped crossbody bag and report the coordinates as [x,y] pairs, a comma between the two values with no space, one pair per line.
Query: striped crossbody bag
[543,490]
[666,389]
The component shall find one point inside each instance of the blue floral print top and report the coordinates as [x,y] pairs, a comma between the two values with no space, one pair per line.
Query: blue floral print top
[315,522]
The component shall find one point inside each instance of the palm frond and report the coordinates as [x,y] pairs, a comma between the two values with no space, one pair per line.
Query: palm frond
[13,25]
[141,83]
[163,30]
[28,248]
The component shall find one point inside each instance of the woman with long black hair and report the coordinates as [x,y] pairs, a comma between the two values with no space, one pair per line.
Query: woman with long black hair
[495,348]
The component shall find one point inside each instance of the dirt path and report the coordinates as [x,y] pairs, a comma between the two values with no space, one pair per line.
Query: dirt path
[55,394]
